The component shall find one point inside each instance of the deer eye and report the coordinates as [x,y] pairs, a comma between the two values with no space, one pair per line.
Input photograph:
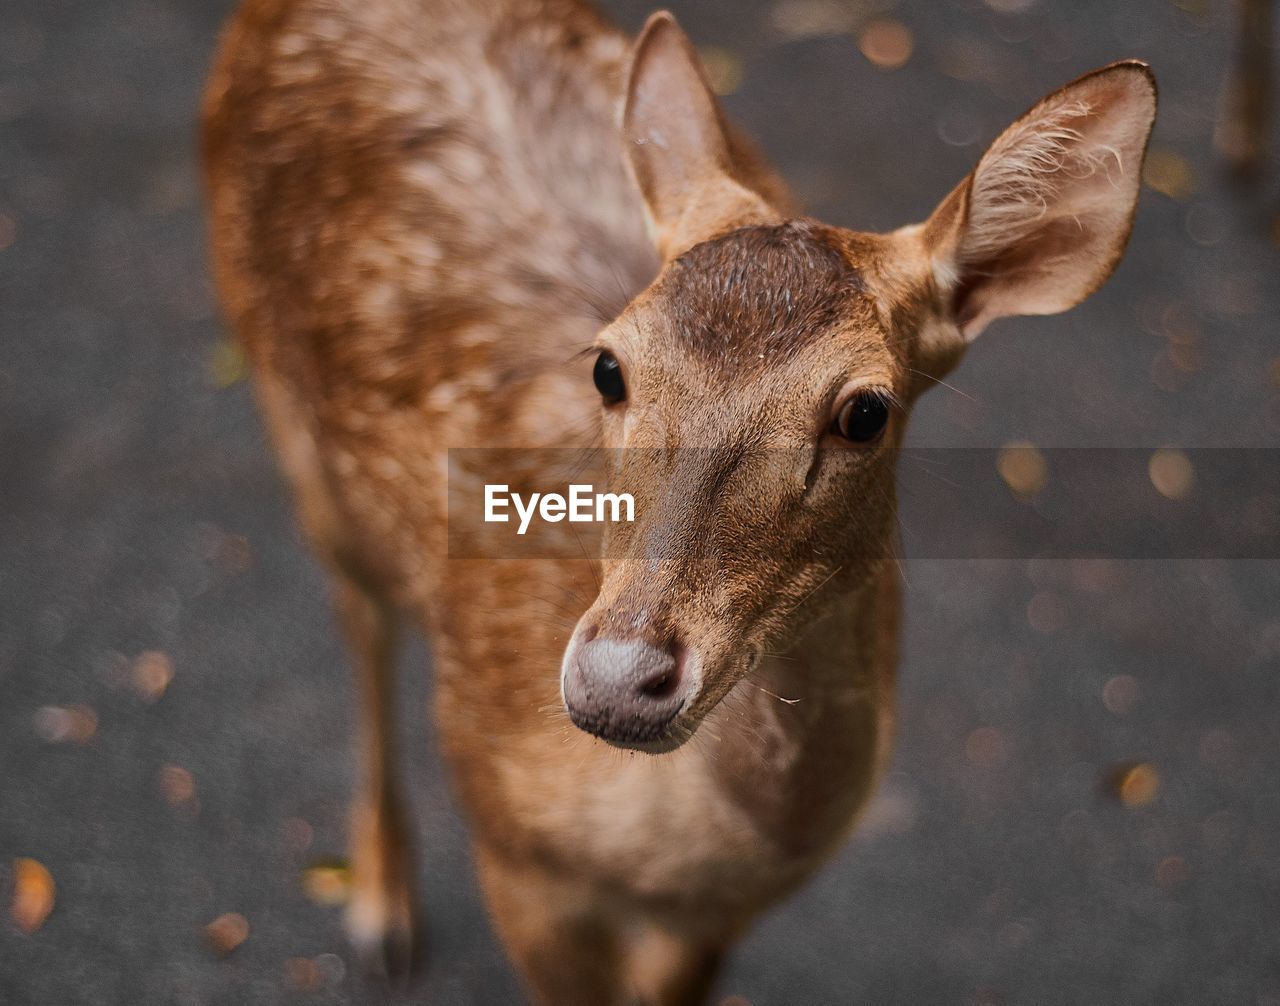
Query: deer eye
[862,418]
[608,377]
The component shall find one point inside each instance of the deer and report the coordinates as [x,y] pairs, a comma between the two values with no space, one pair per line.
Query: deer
[507,224]
[1244,103]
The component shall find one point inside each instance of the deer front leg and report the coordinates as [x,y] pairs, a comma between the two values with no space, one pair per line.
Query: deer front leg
[379,919]
[670,969]
[562,943]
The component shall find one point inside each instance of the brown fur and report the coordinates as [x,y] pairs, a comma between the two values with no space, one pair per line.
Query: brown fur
[421,211]
[1244,114]
[760,290]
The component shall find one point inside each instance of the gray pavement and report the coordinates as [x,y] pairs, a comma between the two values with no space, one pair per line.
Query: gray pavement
[140,511]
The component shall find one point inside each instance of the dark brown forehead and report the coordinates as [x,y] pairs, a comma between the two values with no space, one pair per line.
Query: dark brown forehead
[759,290]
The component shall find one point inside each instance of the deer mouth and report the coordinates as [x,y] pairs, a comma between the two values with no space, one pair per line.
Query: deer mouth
[623,731]
[675,739]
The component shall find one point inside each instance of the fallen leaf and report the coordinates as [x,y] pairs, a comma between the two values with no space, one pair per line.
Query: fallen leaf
[227,364]
[810,18]
[72,724]
[226,932]
[886,43]
[1136,784]
[151,674]
[1023,468]
[177,785]
[302,973]
[33,894]
[724,69]
[1169,173]
[327,883]
[1171,473]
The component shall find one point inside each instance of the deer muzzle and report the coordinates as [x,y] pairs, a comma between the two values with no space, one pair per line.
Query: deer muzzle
[628,692]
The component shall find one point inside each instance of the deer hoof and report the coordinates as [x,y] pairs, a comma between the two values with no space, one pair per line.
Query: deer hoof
[385,938]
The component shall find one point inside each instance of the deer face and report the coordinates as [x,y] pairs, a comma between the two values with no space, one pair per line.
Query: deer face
[751,394]
[757,389]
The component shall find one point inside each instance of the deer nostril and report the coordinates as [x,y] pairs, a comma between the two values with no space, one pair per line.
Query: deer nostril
[661,686]
[666,680]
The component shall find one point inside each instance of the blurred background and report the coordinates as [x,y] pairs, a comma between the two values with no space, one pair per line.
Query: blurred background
[1083,805]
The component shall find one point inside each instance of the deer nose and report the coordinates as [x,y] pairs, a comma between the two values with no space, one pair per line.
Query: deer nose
[625,691]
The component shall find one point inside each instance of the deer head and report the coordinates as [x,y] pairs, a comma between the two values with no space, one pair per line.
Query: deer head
[761,382]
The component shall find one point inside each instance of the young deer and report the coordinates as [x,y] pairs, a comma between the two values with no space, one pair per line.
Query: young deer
[422,212]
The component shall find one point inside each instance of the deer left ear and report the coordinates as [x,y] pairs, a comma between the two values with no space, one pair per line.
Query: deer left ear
[1044,218]
[679,146]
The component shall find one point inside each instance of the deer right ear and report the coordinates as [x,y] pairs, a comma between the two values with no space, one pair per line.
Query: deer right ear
[678,145]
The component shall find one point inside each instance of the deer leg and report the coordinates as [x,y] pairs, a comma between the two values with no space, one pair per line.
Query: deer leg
[379,918]
[565,948]
[668,969]
[1240,135]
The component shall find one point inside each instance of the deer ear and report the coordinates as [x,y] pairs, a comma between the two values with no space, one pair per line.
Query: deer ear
[678,144]
[1044,218]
